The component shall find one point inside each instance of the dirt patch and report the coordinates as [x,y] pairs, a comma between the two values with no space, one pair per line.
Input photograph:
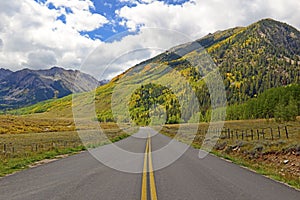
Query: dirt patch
[286,164]
[45,161]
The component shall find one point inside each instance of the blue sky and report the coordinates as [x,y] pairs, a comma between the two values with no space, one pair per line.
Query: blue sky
[108,9]
[39,34]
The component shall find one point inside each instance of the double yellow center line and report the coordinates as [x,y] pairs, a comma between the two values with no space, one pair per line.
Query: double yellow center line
[148,166]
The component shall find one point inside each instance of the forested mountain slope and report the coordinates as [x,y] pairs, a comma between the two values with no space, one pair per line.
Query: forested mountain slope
[250,59]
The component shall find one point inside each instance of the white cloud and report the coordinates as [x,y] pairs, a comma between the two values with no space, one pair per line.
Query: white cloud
[32,36]
[85,21]
[121,54]
[193,19]
[73,4]
[80,18]
[1,44]
[138,1]
[199,17]
[41,58]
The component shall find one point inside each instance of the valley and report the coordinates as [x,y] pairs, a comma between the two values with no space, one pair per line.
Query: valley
[259,66]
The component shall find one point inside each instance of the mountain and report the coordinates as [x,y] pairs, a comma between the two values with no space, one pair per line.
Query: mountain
[250,59]
[27,87]
[4,73]
[262,56]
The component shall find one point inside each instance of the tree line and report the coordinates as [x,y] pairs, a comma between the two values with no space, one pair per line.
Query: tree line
[282,103]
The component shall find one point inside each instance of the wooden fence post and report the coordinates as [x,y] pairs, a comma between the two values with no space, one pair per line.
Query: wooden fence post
[242,135]
[278,132]
[257,131]
[252,135]
[228,133]
[272,134]
[286,132]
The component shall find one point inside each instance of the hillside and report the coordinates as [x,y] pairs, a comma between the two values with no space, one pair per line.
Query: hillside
[261,56]
[281,103]
[4,73]
[251,60]
[27,87]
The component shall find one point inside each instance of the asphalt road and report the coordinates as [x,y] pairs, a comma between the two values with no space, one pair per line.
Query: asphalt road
[83,177]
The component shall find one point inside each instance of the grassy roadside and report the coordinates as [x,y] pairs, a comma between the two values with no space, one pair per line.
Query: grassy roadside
[20,151]
[264,156]
[277,158]
[14,164]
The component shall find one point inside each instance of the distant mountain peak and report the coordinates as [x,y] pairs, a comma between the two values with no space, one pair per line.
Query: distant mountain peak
[252,59]
[268,20]
[27,86]
[56,68]
[4,73]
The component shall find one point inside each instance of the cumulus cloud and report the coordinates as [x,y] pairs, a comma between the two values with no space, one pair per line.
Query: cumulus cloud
[41,59]
[1,44]
[31,33]
[110,59]
[179,23]
[38,35]
[199,17]
[78,15]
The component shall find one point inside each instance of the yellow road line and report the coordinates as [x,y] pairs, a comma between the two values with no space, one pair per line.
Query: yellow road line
[153,193]
[148,165]
[144,180]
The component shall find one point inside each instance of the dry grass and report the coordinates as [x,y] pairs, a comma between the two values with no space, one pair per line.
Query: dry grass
[27,124]
[278,158]
[25,140]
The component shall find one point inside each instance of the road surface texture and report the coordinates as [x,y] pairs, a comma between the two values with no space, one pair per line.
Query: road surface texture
[83,177]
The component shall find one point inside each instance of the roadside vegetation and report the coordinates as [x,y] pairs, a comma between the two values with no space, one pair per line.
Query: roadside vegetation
[278,158]
[22,146]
